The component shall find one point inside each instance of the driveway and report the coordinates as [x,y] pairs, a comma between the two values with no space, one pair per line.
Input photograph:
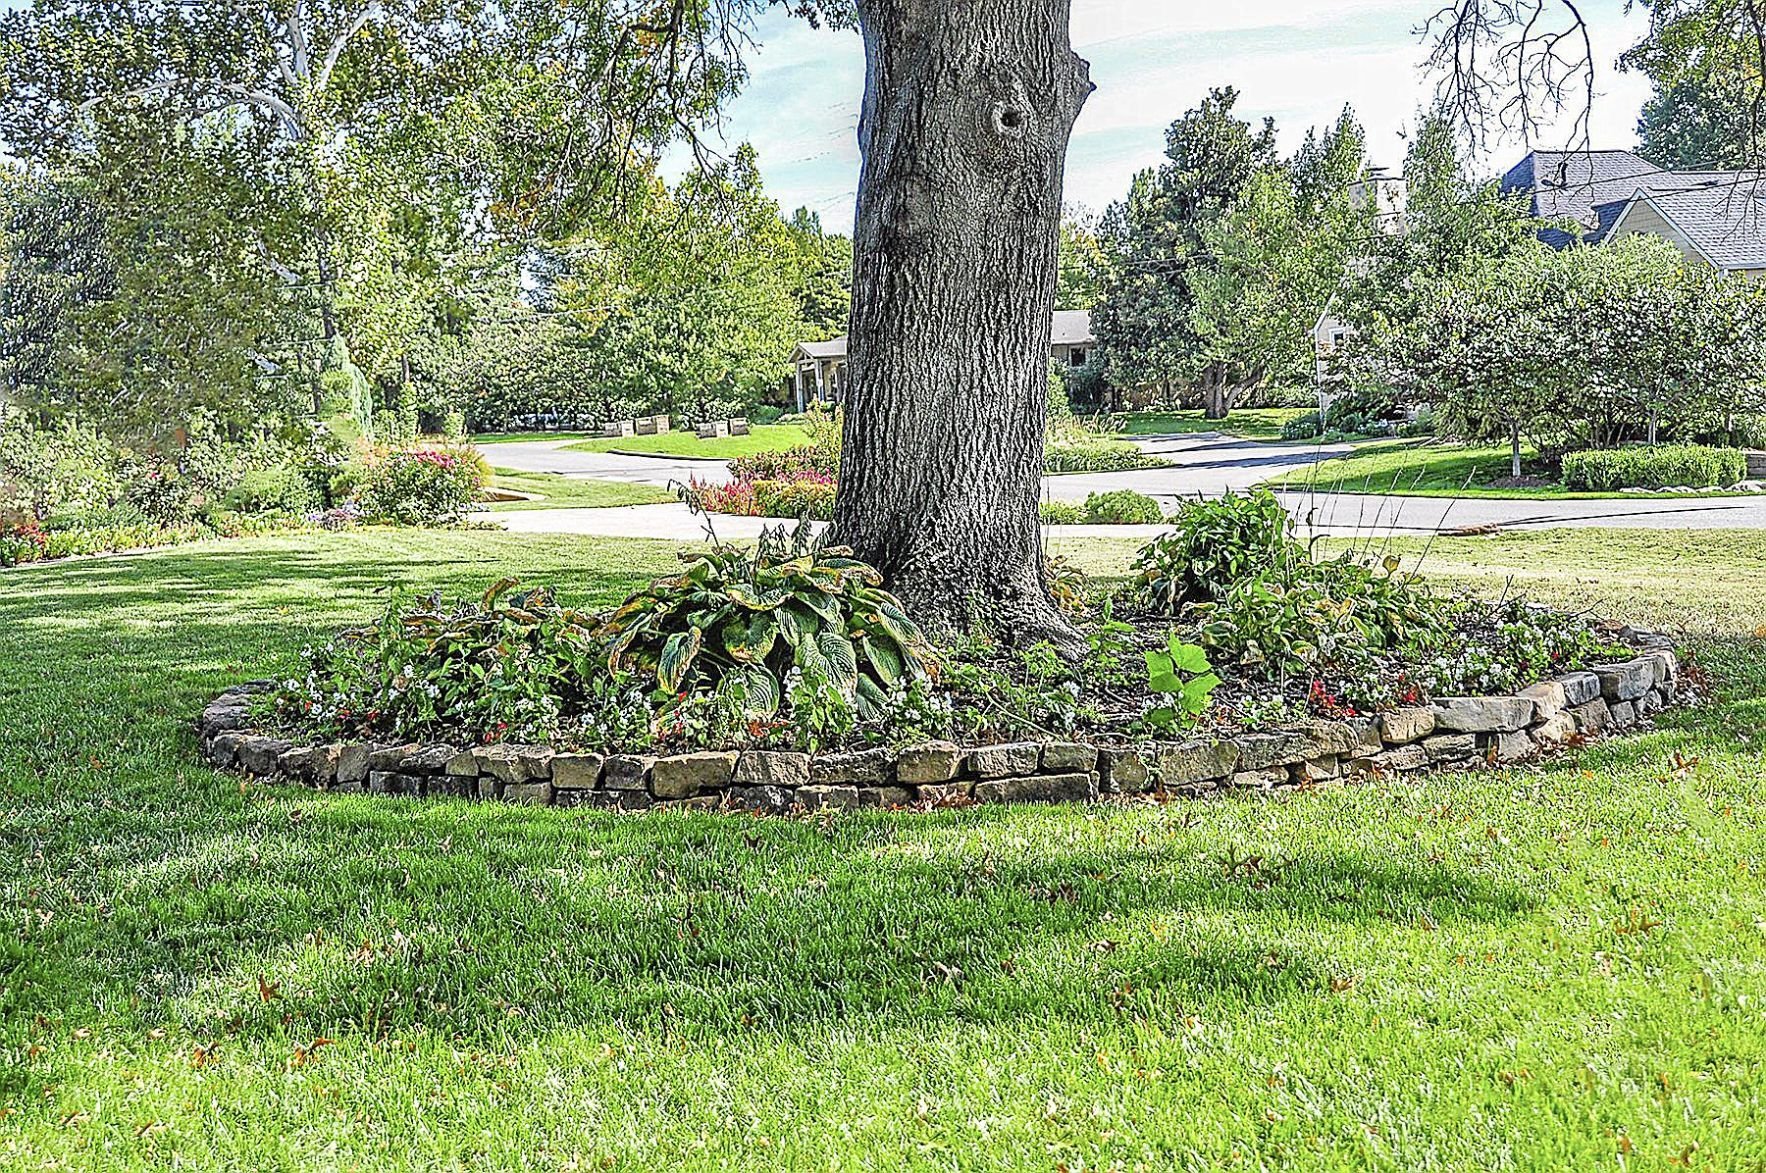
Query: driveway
[1203,465]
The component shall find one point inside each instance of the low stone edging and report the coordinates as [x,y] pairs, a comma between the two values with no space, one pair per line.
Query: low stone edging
[1452,732]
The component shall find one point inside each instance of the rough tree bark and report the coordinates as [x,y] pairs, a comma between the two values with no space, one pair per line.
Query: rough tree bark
[967,111]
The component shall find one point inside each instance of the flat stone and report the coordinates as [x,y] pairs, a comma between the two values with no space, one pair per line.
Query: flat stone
[1556,730]
[228,714]
[1260,751]
[293,762]
[1579,688]
[1650,703]
[515,763]
[946,793]
[774,800]
[627,772]
[352,764]
[1627,681]
[450,786]
[1067,757]
[1624,714]
[1319,769]
[316,765]
[1399,760]
[385,757]
[528,793]
[1513,746]
[257,754]
[428,759]
[843,798]
[935,761]
[1448,747]
[577,771]
[685,775]
[1403,726]
[1332,738]
[1123,771]
[223,749]
[1039,788]
[490,789]
[1267,779]
[393,782]
[865,767]
[766,767]
[1592,717]
[462,765]
[1666,663]
[631,800]
[1548,699]
[1483,714]
[885,796]
[1006,761]
[1196,761]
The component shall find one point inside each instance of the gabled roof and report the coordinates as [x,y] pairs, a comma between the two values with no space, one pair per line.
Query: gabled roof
[833,348]
[1726,225]
[1594,187]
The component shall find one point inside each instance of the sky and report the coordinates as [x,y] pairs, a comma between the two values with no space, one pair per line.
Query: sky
[1299,61]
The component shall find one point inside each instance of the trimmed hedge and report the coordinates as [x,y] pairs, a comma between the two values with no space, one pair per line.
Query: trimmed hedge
[1662,467]
[1122,507]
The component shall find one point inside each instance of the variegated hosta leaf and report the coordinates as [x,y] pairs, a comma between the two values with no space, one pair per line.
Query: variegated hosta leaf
[751,642]
[761,692]
[678,654]
[885,657]
[869,698]
[842,659]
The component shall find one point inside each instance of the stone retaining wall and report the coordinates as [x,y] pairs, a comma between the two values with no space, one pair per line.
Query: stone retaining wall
[1453,732]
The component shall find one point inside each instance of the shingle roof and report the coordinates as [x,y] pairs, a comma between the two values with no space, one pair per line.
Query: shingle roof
[1593,187]
[1726,223]
[833,348]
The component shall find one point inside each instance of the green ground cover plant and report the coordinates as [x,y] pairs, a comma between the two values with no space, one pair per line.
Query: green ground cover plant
[1664,466]
[1542,968]
[1258,423]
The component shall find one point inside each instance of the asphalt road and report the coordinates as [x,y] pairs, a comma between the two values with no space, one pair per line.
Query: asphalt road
[1204,465]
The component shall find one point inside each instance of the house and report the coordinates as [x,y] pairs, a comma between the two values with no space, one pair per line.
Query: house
[819,371]
[1715,217]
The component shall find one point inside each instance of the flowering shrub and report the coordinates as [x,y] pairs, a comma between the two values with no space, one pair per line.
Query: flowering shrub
[1499,647]
[422,486]
[798,496]
[789,464]
[22,542]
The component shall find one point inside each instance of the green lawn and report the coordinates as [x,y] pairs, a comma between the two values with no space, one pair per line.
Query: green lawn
[1262,423]
[762,438]
[1557,967]
[552,491]
[1433,468]
[482,438]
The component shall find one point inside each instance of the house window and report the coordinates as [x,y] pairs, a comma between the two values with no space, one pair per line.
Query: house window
[1076,357]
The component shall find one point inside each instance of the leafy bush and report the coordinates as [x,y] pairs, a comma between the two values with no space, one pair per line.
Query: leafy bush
[283,489]
[805,498]
[1181,672]
[1061,513]
[1498,647]
[1303,427]
[747,624]
[70,467]
[423,486]
[1212,546]
[1666,466]
[1425,424]
[765,414]
[1122,507]
[806,459]
[502,668]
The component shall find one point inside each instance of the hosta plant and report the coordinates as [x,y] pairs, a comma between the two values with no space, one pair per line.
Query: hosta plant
[740,621]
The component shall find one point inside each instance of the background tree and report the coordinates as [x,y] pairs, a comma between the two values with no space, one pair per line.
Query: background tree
[1080,281]
[1709,104]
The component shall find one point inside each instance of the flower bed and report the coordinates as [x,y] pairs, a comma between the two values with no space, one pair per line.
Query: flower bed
[1243,662]
[1452,732]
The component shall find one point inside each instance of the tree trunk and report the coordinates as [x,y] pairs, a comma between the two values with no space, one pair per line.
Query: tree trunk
[1653,416]
[1514,449]
[967,112]
[1216,402]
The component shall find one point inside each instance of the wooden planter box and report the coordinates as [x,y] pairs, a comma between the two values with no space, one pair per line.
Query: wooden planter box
[712,430]
[652,425]
[738,427]
[615,430]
